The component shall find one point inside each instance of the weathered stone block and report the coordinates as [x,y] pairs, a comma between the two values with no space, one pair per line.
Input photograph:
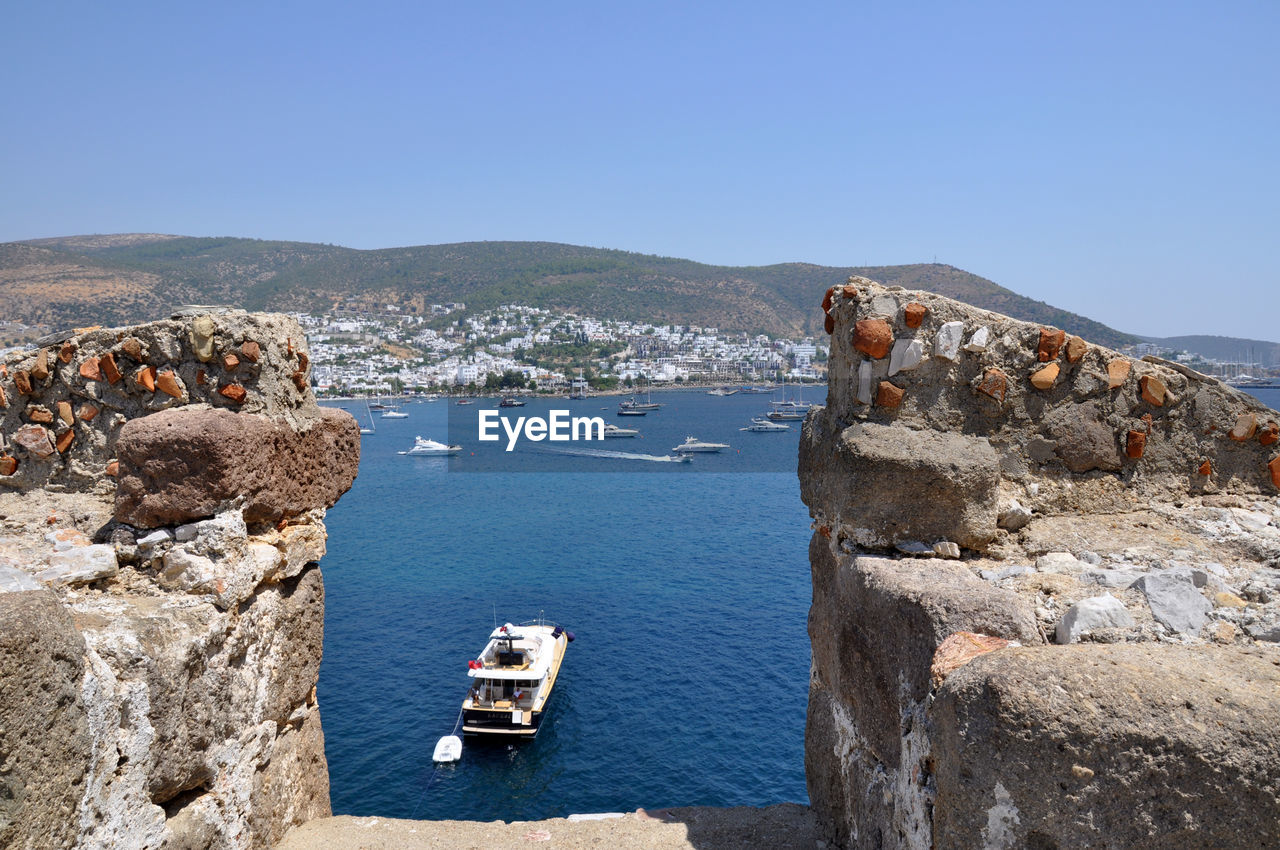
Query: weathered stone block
[186,463]
[1108,745]
[1245,426]
[1082,440]
[1097,612]
[889,485]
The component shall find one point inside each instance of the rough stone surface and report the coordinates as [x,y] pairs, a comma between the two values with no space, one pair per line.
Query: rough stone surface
[881,485]
[1175,601]
[1097,612]
[188,463]
[44,738]
[1109,746]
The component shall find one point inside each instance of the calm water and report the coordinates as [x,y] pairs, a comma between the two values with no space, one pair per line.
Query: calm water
[688,593]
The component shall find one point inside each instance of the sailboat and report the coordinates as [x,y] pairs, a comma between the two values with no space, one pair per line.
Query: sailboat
[369,410]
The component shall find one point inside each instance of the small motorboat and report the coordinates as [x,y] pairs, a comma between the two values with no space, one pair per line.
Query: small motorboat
[448,749]
[611,430]
[513,678]
[463,401]
[510,401]
[423,446]
[693,444]
[394,414]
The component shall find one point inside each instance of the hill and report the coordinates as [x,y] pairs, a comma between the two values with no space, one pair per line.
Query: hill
[134,277]
[1226,348]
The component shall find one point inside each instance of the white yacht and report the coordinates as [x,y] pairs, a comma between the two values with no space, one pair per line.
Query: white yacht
[513,678]
[394,414]
[611,430]
[761,423]
[721,391]
[693,444]
[423,446]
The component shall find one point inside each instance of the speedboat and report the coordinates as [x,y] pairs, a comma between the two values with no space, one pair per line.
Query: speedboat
[513,678]
[510,401]
[423,446]
[760,423]
[463,401]
[394,414]
[611,430]
[693,444]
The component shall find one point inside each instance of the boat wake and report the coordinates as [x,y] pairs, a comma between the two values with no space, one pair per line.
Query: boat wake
[606,453]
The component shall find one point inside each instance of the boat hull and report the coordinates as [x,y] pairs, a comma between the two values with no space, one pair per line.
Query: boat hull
[482,721]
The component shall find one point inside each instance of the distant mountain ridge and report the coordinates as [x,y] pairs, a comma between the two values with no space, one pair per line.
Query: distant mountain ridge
[123,278]
[1226,348]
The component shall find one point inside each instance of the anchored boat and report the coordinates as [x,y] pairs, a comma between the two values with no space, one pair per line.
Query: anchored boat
[513,679]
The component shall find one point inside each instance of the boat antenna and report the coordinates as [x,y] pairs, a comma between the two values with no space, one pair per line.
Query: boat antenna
[495,615]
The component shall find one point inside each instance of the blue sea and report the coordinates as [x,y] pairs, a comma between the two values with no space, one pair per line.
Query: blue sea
[688,593]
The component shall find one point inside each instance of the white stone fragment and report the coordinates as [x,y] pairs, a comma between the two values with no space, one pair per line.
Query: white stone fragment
[66,538]
[80,565]
[1252,520]
[906,355]
[13,580]
[884,305]
[1060,562]
[186,533]
[864,382]
[946,549]
[1014,516]
[1098,612]
[154,539]
[978,342]
[947,342]
[914,547]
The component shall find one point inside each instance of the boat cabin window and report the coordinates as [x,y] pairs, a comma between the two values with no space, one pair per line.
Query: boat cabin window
[513,658]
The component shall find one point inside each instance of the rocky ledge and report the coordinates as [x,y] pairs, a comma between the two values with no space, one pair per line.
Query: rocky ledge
[162,496]
[1046,579]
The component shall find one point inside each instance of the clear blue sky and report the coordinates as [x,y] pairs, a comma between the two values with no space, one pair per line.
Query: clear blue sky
[1116,159]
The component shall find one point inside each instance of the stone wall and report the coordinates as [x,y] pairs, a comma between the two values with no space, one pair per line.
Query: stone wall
[1046,579]
[161,603]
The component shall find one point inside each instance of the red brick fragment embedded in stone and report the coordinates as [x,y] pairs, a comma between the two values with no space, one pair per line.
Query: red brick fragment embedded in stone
[201,378]
[1043,379]
[113,468]
[913,314]
[1269,433]
[1206,468]
[1117,372]
[40,413]
[300,380]
[251,351]
[1274,467]
[1076,347]
[994,384]
[167,382]
[132,347]
[850,291]
[826,299]
[107,363]
[4,400]
[91,369]
[303,361]
[873,337]
[1245,426]
[1153,390]
[40,371]
[64,413]
[22,382]
[65,439]
[1050,344]
[235,392]
[888,395]
[146,378]
[66,352]
[230,362]
[829,324]
[8,465]
[958,650]
[87,412]
[1135,444]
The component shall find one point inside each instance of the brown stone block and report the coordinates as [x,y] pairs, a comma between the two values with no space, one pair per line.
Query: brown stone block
[1269,433]
[8,465]
[132,347]
[1076,347]
[1206,468]
[826,299]
[1245,426]
[66,352]
[182,464]
[235,392]
[873,337]
[107,363]
[1044,379]
[913,314]
[87,412]
[146,378]
[39,413]
[888,395]
[251,351]
[40,371]
[22,382]
[829,324]
[1136,444]
[35,439]
[230,362]
[64,413]
[1117,373]
[1274,468]
[65,439]
[91,369]
[994,384]
[168,384]
[1050,344]
[1153,390]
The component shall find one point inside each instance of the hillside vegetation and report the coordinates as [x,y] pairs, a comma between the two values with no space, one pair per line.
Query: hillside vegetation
[133,277]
